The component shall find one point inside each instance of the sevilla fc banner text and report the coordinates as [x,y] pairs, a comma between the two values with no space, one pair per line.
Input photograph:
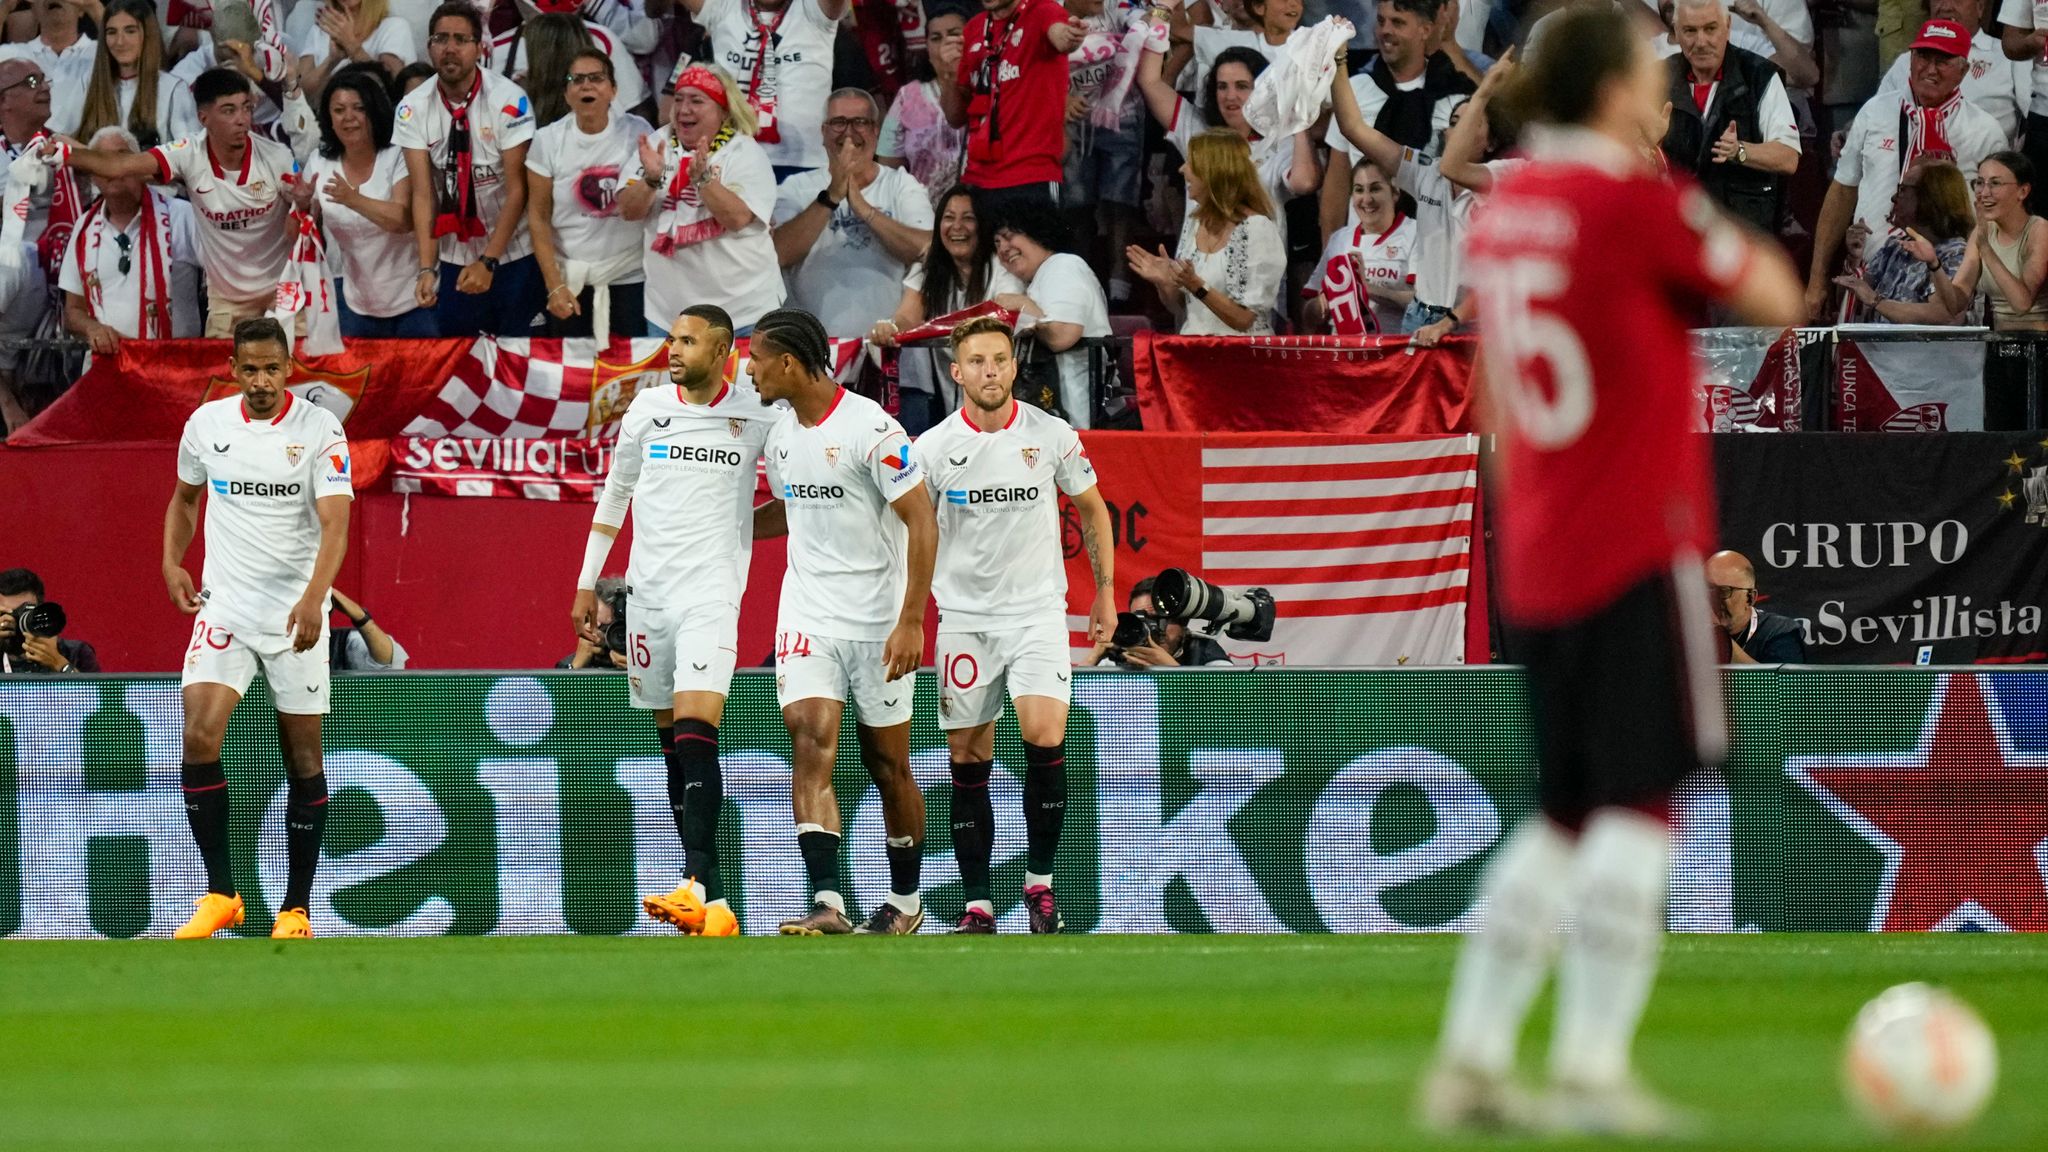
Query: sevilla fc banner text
[1895,549]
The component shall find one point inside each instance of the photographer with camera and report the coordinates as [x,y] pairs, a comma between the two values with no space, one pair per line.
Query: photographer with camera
[1146,639]
[364,646]
[610,622]
[29,627]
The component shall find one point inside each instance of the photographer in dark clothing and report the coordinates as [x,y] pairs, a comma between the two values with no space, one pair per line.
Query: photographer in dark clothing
[1167,643]
[29,628]
[609,620]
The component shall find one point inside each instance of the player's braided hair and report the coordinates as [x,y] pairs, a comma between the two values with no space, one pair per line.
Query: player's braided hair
[798,333]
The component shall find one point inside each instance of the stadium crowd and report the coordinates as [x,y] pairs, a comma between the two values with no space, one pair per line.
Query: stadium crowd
[556,167]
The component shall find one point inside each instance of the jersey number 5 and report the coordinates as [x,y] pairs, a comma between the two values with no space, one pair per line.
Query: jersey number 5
[1519,333]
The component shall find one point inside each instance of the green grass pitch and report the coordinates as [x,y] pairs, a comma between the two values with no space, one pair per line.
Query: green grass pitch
[1012,1043]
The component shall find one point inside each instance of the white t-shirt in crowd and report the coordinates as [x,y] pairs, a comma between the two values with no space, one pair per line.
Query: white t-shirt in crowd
[1371,100]
[175,113]
[1791,15]
[848,280]
[585,173]
[1443,213]
[847,547]
[803,41]
[392,37]
[2028,15]
[1773,113]
[2003,88]
[632,89]
[1382,261]
[69,73]
[417,14]
[997,494]
[689,471]
[376,268]
[1068,292]
[500,117]
[1873,154]
[999,281]
[1212,42]
[737,271]
[245,232]
[262,478]
[94,252]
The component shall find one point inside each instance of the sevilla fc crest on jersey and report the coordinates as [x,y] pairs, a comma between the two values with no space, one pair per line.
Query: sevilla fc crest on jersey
[831,457]
[1030,457]
[293,452]
[735,427]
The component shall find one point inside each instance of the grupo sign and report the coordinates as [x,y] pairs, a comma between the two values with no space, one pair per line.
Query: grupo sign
[1224,800]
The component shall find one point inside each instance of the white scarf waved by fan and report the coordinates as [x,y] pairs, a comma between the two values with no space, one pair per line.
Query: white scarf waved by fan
[29,173]
[305,287]
[1292,93]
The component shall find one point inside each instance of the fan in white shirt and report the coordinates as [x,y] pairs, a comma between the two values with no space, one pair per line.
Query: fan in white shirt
[239,184]
[131,269]
[850,494]
[348,32]
[1363,286]
[365,207]
[590,255]
[788,83]
[2000,86]
[998,469]
[557,31]
[1287,164]
[64,55]
[706,191]
[848,232]
[128,86]
[1063,299]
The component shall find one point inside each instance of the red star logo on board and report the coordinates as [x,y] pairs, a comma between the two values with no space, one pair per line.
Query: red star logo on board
[1961,820]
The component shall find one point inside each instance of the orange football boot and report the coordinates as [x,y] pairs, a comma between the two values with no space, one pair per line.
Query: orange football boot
[213,913]
[292,924]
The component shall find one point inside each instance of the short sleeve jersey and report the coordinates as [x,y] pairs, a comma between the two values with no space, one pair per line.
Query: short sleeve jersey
[1015,82]
[500,117]
[847,547]
[690,472]
[1589,275]
[997,493]
[261,479]
[245,233]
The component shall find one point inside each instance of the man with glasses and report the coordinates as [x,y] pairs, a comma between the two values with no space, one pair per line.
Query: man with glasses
[1993,83]
[131,270]
[851,230]
[1757,636]
[24,295]
[465,138]
[63,54]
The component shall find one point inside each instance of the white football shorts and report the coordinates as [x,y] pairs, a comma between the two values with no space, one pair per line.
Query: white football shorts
[976,667]
[811,667]
[679,649]
[298,680]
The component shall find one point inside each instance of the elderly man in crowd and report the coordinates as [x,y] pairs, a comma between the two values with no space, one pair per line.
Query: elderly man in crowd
[131,270]
[1999,86]
[1889,134]
[849,232]
[64,54]
[1757,636]
[1731,123]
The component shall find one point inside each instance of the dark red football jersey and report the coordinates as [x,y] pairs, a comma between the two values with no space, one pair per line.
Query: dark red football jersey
[1589,270]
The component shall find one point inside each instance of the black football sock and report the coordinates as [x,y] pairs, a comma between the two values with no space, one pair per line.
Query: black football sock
[697,801]
[821,857]
[206,809]
[906,862]
[665,735]
[1045,804]
[305,819]
[974,827]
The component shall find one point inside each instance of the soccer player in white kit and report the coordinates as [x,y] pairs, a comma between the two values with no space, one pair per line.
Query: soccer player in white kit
[862,539]
[275,471]
[998,467]
[687,452]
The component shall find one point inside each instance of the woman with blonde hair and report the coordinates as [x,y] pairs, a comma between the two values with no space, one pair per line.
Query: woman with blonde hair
[129,87]
[1897,284]
[1224,277]
[354,32]
[706,191]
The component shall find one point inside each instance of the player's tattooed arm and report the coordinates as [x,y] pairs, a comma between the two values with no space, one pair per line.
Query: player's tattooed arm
[1099,539]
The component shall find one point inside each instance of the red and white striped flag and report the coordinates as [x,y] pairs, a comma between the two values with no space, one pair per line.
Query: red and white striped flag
[1366,547]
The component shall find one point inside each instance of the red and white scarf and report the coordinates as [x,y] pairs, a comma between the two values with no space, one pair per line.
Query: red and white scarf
[1927,128]
[306,287]
[765,83]
[685,220]
[27,174]
[152,263]
[457,215]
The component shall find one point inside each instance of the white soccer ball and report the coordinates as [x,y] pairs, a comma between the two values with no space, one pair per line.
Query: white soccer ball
[1919,1060]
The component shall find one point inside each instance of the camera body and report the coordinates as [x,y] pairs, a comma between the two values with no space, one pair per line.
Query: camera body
[45,620]
[1136,629]
[1245,614]
[615,632]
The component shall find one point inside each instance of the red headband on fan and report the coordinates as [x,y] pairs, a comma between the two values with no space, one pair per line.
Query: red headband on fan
[703,80]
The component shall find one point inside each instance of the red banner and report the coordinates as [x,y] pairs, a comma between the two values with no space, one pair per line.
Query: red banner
[1339,385]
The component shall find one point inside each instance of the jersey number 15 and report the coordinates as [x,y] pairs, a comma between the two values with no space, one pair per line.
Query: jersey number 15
[1519,332]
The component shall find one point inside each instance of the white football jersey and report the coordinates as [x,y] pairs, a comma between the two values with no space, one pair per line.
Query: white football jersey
[261,479]
[847,548]
[1000,558]
[689,471]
